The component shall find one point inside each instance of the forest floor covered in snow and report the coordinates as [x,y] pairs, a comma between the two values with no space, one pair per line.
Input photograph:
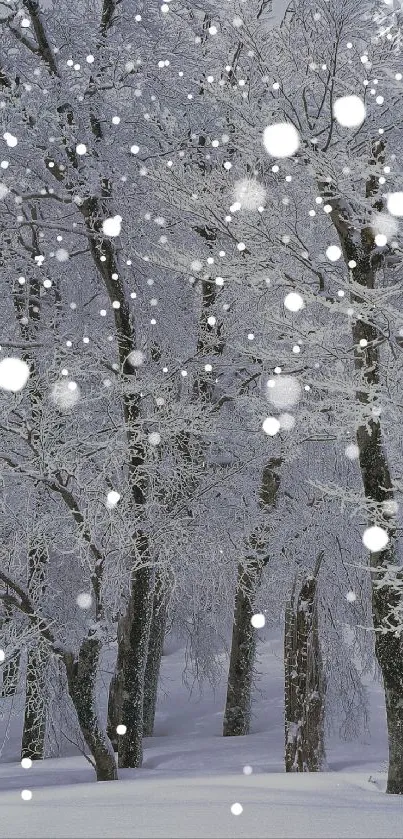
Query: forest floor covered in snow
[192,776]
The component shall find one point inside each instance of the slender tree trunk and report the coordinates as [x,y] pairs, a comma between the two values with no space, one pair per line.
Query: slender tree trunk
[11,674]
[305,685]
[134,632]
[155,648]
[34,729]
[243,649]
[115,705]
[376,477]
[81,677]
[243,645]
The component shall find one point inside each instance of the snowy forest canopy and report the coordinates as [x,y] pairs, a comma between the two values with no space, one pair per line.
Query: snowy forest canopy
[201,363]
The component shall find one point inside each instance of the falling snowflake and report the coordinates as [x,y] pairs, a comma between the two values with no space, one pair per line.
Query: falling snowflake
[287,422]
[248,194]
[284,391]
[154,438]
[10,139]
[271,426]
[84,600]
[112,226]
[4,190]
[384,224]
[26,762]
[258,620]
[121,729]
[136,358]
[351,596]
[62,255]
[390,508]
[333,253]
[293,302]
[14,374]
[281,139]
[236,809]
[394,203]
[81,149]
[352,451]
[247,770]
[26,795]
[65,394]
[375,538]
[349,111]
[112,499]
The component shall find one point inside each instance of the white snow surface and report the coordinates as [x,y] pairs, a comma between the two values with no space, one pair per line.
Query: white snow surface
[192,776]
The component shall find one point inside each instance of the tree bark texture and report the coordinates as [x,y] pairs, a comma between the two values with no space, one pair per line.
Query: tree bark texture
[237,713]
[376,478]
[304,683]
[81,678]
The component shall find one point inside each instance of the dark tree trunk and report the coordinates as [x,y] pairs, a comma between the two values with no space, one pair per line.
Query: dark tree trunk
[243,645]
[304,682]
[81,678]
[376,478]
[11,675]
[155,648]
[33,734]
[134,631]
[34,730]
[114,706]
[243,649]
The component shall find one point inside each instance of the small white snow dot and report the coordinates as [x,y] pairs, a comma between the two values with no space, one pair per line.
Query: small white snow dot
[196,265]
[375,538]
[10,139]
[247,770]
[154,438]
[136,358]
[352,451]
[26,762]
[293,302]
[121,729]
[134,149]
[84,600]
[236,809]
[26,795]
[112,499]
[2,655]
[112,226]
[115,120]
[351,596]
[14,374]
[333,253]
[90,59]
[271,426]
[211,320]
[258,620]
[62,255]
[287,421]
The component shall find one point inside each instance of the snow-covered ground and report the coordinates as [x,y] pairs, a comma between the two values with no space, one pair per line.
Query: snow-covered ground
[192,776]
